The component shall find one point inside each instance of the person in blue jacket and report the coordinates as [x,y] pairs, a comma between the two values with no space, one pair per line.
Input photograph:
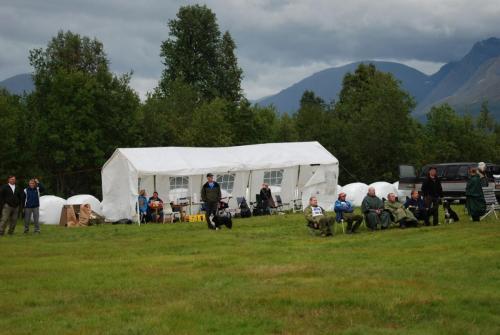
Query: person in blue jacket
[416,204]
[143,206]
[345,211]
[31,201]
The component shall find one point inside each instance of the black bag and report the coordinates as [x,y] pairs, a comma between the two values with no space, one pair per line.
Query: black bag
[245,212]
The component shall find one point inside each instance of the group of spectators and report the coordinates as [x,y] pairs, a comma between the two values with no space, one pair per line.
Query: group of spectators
[14,200]
[381,213]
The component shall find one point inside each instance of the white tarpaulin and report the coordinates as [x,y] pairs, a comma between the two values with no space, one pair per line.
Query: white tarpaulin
[82,199]
[287,167]
[355,192]
[382,189]
[50,209]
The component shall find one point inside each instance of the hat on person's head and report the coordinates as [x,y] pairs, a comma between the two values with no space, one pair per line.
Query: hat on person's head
[209,175]
[481,165]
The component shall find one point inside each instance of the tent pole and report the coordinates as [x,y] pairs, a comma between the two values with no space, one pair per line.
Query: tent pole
[154,183]
[296,189]
[249,186]
[137,202]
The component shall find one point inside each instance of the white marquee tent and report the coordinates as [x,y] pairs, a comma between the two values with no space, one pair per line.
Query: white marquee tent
[294,170]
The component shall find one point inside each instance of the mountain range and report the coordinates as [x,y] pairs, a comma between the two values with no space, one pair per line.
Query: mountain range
[464,84]
[18,84]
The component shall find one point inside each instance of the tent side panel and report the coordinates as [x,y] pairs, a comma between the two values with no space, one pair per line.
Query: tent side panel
[323,185]
[119,189]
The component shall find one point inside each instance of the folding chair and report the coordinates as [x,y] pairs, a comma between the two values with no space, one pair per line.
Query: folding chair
[280,204]
[491,202]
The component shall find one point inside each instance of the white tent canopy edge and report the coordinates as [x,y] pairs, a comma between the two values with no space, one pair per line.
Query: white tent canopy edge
[129,169]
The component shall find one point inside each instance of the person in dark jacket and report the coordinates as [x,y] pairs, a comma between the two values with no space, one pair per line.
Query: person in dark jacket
[417,206]
[432,192]
[266,198]
[475,203]
[31,201]
[11,200]
[211,195]
[344,210]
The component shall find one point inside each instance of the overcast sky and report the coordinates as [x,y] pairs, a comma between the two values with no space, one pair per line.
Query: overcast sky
[278,42]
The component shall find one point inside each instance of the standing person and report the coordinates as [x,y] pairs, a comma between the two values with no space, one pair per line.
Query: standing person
[432,192]
[345,211]
[143,206]
[266,198]
[475,203]
[211,195]
[373,208]
[317,219]
[11,200]
[31,201]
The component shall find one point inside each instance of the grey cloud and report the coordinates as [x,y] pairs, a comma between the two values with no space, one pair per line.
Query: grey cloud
[287,38]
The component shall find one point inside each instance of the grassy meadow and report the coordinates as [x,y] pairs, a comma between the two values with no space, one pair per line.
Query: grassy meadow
[266,276]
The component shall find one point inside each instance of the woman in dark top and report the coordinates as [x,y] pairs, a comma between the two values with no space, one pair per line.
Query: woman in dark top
[432,192]
[475,203]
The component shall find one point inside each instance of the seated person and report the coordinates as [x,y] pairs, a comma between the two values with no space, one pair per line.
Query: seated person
[143,206]
[156,208]
[345,211]
[417,206]
[373,208]
[399,213]
[317,219]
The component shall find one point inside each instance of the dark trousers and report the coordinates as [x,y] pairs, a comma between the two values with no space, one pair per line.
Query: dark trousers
[422,215]
[211,210]
[9,216]
[351,218]
[28,213]
[434,211]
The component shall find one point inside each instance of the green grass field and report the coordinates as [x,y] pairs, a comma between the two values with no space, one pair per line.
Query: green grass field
[266,276]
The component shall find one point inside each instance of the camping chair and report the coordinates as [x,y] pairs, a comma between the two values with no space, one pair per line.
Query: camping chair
[313,231]
[340,221]
[280,204]
[297,205]
[257,206]
[491,202]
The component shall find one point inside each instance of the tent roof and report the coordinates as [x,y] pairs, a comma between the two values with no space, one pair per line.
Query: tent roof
[192,161]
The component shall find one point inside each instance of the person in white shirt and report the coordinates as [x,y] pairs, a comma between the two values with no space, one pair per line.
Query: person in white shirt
[11,199]
[317,218]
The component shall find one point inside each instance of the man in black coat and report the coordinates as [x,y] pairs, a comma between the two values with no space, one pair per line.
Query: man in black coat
[211,195]
[432,192]
[11,197]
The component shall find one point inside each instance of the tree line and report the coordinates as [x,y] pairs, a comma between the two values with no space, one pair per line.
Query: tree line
[80,112]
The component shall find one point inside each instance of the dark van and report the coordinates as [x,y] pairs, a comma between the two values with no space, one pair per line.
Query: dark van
[453,178]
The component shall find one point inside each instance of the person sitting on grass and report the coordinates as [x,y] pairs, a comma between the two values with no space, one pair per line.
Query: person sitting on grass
[373,208]
[345,211]
[156,207]
[401,215]
[317,219]
[416,205]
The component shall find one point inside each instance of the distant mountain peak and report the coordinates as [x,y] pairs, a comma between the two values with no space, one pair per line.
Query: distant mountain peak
[18,84]
[485,49]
